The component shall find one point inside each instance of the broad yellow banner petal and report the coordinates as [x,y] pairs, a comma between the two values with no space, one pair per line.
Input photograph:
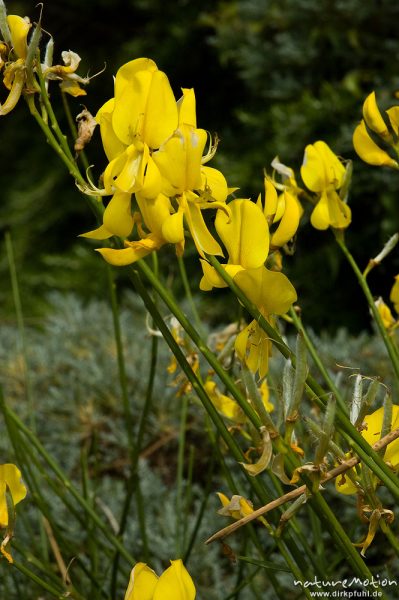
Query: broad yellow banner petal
[270,291]
[245,233]
[175,583]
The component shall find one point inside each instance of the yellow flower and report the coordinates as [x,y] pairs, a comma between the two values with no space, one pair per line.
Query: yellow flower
[245,234]
[10,478]
[175,583]
[394,295]
[323,173]
[225,405]
[237,507]
[368,150]
[67,75]
[385,313]
[195,187]
[15,71]
[372,433]
[373,120]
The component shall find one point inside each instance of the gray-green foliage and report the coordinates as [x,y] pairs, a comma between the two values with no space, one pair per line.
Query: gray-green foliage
[71,359]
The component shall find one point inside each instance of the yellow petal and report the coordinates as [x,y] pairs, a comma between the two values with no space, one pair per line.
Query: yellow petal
[203,239]
[117,216]
[321,168]
[368,150]
[155,211]
[330,211]
[394,295]
[175,583]
[144,104]
[112,145]
[373,117]
[214,182]
[289,222]
[225,405]
[253,348]
[134,251]
[72,87]
[186,108]
[10,477]
[101,233]
[393,114]
[211,277]
[270,198]
[372,433]
[344,485]
[173,229]
[245,234]
[19,29]
[270,291]
[142,583]
[385,313]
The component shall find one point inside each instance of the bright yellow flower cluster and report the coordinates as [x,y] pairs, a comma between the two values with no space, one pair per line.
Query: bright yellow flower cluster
[372,126]
[157,153]
[174,584]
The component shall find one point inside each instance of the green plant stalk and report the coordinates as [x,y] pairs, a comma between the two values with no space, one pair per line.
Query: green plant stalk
[355,440]
[34,487]
[9,413]
[252,483]
[332,525]
[134,479]
[92,545]
[55,592]
[179,542]
[121,362]
[21,328]
[189,296]
[209,407]
[370,300]
[165,295]
[201,512]
[341,538]
[49,109]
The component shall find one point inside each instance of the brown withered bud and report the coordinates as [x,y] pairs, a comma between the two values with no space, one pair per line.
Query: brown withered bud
[86,127]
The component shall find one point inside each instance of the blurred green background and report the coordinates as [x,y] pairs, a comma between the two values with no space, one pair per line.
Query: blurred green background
[270,77]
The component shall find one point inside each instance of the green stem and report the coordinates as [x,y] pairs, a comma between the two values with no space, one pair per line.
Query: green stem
[316,392]
[53,120]
[179,542]
[21,328]
[370,300]
[121,361]
[187,289]
[198,341]
[55,592]
[9,413]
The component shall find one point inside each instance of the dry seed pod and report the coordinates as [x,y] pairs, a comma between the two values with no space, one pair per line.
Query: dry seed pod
[86,127]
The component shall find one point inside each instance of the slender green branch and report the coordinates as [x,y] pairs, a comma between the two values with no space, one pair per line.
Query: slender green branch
[63,479]
[316,392]
[374,310]
[21,328]
[189,296]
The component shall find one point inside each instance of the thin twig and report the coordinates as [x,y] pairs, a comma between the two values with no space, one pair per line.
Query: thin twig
[342,468]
